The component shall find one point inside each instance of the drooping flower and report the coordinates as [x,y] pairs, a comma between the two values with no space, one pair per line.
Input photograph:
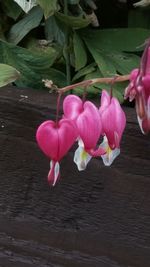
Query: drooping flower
[113,124]
[88,122]
[139,89]
[55,140]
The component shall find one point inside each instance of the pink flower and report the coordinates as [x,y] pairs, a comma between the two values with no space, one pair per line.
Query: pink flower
[88,122]
[139,89]
[55,140]
[113,124]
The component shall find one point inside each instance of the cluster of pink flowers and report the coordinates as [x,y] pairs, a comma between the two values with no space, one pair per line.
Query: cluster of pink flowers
[83,122]
[139,89]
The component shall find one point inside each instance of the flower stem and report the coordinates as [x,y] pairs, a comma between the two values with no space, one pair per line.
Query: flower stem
[58,106]
[86,83]
[112,84]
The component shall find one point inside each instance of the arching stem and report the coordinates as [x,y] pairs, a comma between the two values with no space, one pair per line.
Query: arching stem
[58,106]
[87,83]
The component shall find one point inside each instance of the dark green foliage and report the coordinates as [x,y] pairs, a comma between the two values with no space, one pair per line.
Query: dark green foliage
[35,42]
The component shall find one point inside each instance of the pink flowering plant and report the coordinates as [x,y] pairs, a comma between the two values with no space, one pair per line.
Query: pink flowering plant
[96,129]
[139,89]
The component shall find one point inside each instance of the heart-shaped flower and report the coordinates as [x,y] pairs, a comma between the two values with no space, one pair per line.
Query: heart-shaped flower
[88,122]
[55,140]
[113,124]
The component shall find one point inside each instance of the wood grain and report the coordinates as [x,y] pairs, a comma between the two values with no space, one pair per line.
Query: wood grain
[96,218]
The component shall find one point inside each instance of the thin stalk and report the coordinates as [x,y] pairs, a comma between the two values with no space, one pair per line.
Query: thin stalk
[84,94]
[112,84]
[58,107]
[86,83]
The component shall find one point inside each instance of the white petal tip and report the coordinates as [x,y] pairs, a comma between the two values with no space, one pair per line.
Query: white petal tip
[81,158]
[110,155]
[54,173]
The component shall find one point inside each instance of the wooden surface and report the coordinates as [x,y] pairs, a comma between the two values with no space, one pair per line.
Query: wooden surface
[96,218]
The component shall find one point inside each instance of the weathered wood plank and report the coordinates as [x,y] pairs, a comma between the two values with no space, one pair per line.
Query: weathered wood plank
[99,217]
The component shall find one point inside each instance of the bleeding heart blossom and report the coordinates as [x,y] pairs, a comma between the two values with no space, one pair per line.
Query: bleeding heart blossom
[55,140]
[88,122]
[139,89]
[113,124]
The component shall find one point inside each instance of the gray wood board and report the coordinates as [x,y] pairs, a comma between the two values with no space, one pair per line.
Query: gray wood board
[96,218]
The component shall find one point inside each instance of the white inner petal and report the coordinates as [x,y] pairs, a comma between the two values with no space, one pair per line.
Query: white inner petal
[140,124]
[110,155]
[56,170]
[81,157]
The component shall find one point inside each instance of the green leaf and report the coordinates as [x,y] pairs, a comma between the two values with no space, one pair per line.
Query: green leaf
[11,9]
[53,32]
[105,65]
[8,74]
[25,25]
[49,7]
[58,78]
[113,63]
[80,53]
[125,39]
[108,55]
[26,5]
[33,66]
[88,69]
[94,74]
[124,62]
[73,22]
[43,49]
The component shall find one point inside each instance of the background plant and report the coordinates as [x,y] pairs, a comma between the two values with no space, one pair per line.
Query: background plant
[71,40]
